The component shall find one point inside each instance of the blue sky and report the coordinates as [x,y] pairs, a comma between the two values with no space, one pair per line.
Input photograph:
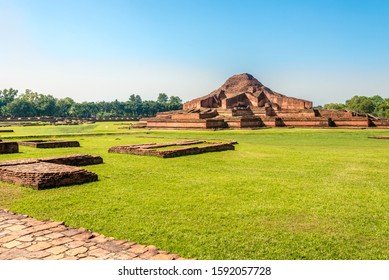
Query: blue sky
[324,51]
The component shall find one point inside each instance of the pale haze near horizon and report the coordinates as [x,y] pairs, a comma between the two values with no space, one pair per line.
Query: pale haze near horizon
[326,51]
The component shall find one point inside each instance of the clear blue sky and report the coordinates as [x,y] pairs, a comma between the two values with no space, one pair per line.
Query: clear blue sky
[324,51]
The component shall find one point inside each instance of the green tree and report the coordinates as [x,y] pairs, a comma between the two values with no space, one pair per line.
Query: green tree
[45,105]
[162,98]
[361,104]
[149,108]
[377,100]
[21,108]
[83,110]
[7,96]
[133,107]
[63,107]
[334,106]
[34,104]
[174,103]
[382,110]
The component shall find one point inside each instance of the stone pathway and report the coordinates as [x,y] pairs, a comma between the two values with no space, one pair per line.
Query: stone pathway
[25,238]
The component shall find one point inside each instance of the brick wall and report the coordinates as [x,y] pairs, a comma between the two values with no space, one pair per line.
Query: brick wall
[74,160]
[50,143]
[49,172]
[150,149]
[9,147]
[43,175]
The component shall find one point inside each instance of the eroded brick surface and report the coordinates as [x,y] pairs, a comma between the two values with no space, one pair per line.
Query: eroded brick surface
[49,172]
[49,143]
[9,147]
[244,102]
[68,244]
[44,175]
[173,149]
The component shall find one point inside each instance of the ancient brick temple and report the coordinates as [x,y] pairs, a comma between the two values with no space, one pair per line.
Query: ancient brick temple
[242,101]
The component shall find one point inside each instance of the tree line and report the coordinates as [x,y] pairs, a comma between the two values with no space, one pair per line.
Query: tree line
[375,105]
[33,104]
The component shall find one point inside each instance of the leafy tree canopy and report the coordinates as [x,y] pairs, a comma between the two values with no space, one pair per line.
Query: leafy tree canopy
[375,105]
[34,104]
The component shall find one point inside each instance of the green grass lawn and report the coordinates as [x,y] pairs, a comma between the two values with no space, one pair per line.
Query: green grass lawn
[282,194]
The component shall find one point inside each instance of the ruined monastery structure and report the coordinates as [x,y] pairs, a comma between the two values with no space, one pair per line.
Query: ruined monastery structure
[47,173]
[243,102]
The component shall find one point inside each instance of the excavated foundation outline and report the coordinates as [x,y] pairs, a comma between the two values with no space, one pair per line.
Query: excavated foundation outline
[47,173]
[379,137]
[9,147]
[49,143]
[174,149]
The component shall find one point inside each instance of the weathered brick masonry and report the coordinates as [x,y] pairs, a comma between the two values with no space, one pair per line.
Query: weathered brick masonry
[74,160]
[177,149]
[9,147]
[243,102]
[49,172]
[49,143]
[43,175]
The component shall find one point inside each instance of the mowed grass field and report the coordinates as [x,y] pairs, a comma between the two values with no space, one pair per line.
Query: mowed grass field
[282,194]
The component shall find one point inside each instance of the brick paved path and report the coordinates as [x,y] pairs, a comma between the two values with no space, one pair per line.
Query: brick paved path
[25,238]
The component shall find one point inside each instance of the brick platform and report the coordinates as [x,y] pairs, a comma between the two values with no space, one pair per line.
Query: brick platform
[9,147]
[49,172]
[25,238]
[75,160]
[43,175]
[379,137]
[44,144]
[174,149]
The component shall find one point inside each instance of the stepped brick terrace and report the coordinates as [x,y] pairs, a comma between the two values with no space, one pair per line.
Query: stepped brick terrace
[243,102]
[173,149]
[49,172]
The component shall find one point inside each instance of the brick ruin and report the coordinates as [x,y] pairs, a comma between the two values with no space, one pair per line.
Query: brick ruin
[173,149]
[243,102]
[47,173]
[74,160]
[8,147]
[49,143]
[379,137]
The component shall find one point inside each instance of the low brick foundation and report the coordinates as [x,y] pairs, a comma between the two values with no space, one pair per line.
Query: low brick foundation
[49,143]
[379,137]
[9,147]
[74,160]
[176,149]
[43,175]
[49,172]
